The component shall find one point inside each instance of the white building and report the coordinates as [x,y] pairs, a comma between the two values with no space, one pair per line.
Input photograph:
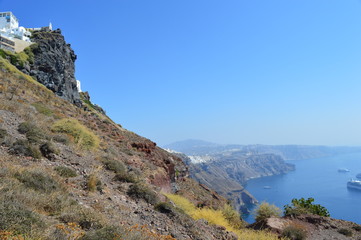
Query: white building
[8,20]
[10,30]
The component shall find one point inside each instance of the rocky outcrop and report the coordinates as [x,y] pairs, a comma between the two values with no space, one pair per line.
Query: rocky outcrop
[53,65]
[314,227]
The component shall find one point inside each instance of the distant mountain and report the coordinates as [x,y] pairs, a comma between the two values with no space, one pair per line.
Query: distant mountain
[288,152]
[197,147]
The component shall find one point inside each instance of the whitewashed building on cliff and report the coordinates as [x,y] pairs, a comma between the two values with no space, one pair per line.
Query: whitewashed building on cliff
[13,37]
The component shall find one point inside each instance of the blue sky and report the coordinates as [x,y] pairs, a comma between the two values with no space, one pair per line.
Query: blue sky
[234,71]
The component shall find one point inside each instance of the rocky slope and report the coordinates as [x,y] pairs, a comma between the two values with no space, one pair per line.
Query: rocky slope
[313,227]
[68,172]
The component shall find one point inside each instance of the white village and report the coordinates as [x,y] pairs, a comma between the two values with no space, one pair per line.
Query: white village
[13,37]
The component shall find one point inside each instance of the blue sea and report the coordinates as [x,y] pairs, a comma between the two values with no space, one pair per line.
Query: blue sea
[317,178]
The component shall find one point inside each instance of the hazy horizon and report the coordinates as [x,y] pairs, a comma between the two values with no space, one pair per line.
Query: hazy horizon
[321,145]
[245,72]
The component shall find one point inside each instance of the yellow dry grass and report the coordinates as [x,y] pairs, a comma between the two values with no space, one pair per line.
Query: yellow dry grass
[84,137]
[217,217]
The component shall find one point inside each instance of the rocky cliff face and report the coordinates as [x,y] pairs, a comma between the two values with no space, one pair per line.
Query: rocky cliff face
[53,65]
[227,173]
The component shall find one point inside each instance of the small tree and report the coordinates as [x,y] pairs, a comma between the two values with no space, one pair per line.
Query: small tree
[266,210]
[300,206]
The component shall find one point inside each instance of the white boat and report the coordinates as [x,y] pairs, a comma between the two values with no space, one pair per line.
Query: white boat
[343,170]
[355,184]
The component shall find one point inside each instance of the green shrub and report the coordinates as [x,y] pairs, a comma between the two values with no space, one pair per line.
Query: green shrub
[15,217]
[115,166]
[61,138]
[345,232]
[94,183]
[81,135]
[164,207]
[37,180]
[232,216]
[3,133]
[266,210]
[65,171]
[126,177]
[24,148]
[141,191]
[48,150]
[43,109]
[31,131]
[301,206]
[294,233]
[357,228]
[106,233]
[86,218]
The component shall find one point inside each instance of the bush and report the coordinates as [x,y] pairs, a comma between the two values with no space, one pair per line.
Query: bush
[301,206]
[61,138]
[141,191]
[357,228]
[49,150]
[81,135]
[106,233]
[93,183]
[24,148]
[266,210]
[15,217]
[126,177]
[164,207]
[3,133]
[31,131]
[115,166]
[86,218]
[43,109]
[232,216]
[345,232]
[65,171]
[37,180]
[294,233]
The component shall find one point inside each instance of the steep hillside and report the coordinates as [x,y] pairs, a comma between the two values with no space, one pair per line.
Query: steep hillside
[70,172]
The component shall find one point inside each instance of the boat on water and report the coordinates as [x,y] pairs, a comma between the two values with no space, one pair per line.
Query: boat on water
[354,184]
[266,187]
[343,170]
[358,176]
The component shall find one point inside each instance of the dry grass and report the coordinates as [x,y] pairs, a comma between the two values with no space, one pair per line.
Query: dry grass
[81,135]
[217,217]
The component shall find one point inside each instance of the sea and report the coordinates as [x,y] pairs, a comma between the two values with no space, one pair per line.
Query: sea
[317,178]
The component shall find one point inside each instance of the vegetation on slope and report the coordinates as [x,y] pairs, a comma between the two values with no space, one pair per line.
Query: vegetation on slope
[219,217]
[76,175]
[79,133]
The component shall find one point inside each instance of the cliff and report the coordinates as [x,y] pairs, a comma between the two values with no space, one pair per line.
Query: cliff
[227,174]
[52,64]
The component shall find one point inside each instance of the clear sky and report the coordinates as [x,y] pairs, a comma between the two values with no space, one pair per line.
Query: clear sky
[232,71]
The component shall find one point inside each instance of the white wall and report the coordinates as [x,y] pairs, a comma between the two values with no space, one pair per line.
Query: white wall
[4,16]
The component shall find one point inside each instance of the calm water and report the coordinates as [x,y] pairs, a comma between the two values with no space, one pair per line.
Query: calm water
[317,178]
